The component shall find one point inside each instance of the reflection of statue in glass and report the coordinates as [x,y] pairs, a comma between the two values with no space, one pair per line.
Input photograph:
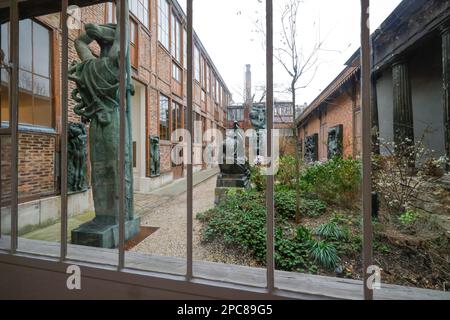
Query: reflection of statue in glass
[97,95]
[77,155]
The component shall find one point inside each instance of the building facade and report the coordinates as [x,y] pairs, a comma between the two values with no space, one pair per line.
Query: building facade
[158,53]
[410,87]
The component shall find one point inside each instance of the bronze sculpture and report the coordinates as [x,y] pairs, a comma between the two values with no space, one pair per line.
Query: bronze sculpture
[97,97]
[77,156]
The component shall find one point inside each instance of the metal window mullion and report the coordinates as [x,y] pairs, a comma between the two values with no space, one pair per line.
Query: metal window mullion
[122,111]
[14,119]
[270,177]
[189,196]
[64,108]
[366,145]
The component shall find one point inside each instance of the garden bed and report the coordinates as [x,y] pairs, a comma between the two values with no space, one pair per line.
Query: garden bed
[410,248]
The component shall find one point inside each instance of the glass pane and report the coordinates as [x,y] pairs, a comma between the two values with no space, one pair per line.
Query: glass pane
[41,86]
[5,192]
[410,107]
[41,50]
[39,203]
[25,108]
[318,228]
[5,40]
[25,45]
[42,112]
[4,98]
[25,81]
[229,215]
[93,158]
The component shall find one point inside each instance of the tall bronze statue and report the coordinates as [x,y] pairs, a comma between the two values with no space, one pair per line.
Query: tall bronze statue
[97,97]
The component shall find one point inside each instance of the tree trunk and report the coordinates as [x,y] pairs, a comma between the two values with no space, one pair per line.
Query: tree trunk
[297,160]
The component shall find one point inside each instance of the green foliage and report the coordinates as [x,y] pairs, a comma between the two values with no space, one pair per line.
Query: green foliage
[331,231]
[303,234]
[336,181]
[257,179]
[408,218]
[240,221]
[289,254]
[325,254]
[381,247]
[286,172]
[285,204]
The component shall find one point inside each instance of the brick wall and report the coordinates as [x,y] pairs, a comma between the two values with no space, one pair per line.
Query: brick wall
[338,110]
[36,166]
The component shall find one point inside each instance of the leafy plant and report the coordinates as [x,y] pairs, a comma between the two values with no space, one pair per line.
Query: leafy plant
[325,254]
[303,234]
[331,231]
[257,179]
[285,205]
[336,181]
[240,221]
[408,218]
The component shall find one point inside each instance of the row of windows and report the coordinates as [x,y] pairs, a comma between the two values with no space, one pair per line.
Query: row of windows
[171,116]
[139,8]
[202,70]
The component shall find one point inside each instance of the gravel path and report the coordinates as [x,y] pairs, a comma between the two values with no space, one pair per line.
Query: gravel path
[169,215]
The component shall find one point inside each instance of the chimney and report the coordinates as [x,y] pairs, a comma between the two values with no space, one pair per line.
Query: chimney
[248,85]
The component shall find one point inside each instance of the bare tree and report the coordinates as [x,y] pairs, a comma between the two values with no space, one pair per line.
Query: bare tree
[298,64]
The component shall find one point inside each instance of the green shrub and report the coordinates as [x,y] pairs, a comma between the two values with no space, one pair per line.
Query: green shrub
[336,181]
[408,218]
[285,204]
[290,254]
[240,221]
[257,179]
[325,254]
[331,231]
[303,234]
[286,172]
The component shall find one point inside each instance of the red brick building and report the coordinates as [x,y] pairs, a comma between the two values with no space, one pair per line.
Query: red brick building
[337,105]
[158,58]
[410,86]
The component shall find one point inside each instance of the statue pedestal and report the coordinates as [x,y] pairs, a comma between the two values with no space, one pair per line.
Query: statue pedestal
[226,181]
[100,235]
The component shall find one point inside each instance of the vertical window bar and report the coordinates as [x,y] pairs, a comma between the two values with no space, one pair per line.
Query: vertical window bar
[270,177]
[13,116]
[366,145]
[190,43]
[64,107]
[122,106]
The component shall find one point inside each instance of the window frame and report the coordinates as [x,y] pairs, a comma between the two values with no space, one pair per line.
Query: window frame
[166,135]
[134,58]
[176,38]
[33,75]
[270,289]
[164,30]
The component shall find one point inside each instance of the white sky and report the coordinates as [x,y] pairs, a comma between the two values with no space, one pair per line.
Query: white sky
[228,32]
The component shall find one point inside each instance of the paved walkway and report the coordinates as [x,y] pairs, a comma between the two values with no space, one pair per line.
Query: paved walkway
[166,210]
